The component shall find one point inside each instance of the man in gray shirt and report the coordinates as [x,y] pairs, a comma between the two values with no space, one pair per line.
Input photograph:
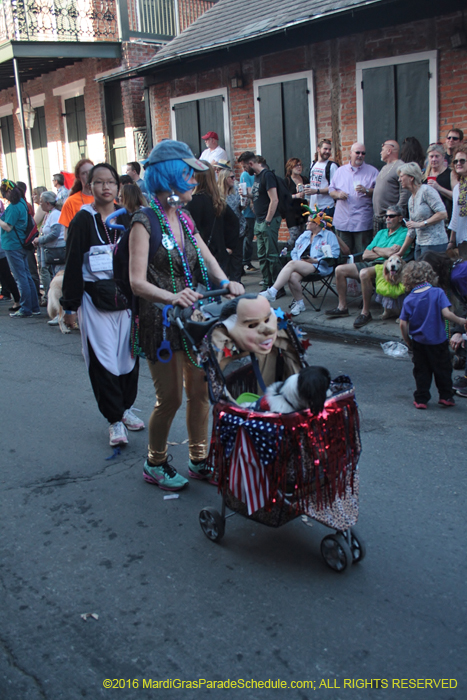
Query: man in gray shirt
[388,191]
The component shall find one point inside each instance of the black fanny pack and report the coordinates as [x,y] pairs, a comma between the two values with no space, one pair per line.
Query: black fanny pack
[106,296]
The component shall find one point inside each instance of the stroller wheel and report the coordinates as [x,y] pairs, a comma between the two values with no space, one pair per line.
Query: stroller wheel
[212,524]
[336,552]
[357,546]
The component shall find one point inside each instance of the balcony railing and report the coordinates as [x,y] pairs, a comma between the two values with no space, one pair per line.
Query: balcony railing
[59,20]
[160,17]
[96,20]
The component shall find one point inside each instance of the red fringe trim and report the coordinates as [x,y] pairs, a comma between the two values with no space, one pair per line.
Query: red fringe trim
[316,457]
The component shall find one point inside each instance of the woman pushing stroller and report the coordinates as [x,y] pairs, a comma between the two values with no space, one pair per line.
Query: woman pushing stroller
[170,277]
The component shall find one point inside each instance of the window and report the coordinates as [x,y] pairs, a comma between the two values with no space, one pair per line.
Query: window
[115,126]
[39,147]
[396,98]
[9,147]
[284,118]
[76,128]
[195,115]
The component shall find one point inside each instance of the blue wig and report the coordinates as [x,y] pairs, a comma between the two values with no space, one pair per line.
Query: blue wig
[167,176]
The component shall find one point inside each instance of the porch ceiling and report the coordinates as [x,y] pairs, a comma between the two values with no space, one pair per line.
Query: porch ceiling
[36,58]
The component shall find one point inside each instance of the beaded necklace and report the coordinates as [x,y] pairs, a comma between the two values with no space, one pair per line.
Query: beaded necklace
[422,286]
[106,229]
[170,243]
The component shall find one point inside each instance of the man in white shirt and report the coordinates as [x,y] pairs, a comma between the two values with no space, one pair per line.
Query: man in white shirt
[62,193]
[321,172]
[133,170]
[213,152]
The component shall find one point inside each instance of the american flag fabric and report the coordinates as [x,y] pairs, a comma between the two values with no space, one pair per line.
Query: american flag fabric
[248,479]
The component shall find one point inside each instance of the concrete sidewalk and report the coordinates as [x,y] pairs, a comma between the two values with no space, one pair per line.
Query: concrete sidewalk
[317,323]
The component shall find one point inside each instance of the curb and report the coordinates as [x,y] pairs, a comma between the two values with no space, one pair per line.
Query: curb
[349,336]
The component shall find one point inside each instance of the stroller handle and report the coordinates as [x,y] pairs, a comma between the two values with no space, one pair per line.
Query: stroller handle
[215,293]
[114,215]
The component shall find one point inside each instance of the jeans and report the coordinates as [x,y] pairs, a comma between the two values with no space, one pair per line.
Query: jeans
[268,250]
[18,262]
[421,249]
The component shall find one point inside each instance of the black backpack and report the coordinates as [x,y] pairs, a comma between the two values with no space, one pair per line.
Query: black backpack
[121,255]
[327,171]
[284,195]
[31,231]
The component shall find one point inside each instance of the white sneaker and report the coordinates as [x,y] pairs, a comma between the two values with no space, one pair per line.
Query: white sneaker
[267,294]
[131,421]
[297,307]
[118,434]
[53,322]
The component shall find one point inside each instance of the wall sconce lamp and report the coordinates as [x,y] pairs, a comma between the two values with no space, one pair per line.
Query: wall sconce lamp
[29,114]
[236,82]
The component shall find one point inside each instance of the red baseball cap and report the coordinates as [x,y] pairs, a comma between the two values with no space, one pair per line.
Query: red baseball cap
[210,135]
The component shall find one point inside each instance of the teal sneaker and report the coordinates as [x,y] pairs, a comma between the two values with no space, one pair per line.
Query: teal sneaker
[199,471]
[164,476]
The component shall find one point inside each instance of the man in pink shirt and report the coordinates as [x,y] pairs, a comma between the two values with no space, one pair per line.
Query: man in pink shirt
[352,188]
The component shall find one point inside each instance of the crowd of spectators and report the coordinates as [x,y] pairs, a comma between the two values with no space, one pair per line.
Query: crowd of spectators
[351,217]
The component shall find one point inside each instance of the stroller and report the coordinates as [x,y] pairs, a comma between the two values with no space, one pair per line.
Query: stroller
[272,467]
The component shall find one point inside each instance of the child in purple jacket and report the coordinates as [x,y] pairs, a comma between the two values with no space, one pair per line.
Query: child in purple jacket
[422,317]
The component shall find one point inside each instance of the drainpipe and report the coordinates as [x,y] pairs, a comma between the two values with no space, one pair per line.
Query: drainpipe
[23,130]
[177,18]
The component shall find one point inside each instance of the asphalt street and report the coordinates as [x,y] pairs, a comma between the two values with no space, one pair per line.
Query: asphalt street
[84,534]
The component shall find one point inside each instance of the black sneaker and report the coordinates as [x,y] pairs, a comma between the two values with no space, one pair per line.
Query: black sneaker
[336,313]
[362,320]
[280,293]
[251,268]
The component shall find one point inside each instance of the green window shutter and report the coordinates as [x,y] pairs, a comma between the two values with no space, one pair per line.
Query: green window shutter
[115,127]
[187,125]
[211,118]
[412,101]
[379,116]
[296,119]
[271,125]
[9,147]
[39,146]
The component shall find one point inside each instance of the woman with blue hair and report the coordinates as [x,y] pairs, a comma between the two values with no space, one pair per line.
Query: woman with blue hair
[170,274]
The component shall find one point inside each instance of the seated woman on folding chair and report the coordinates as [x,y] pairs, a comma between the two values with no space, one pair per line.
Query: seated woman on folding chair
[310,254]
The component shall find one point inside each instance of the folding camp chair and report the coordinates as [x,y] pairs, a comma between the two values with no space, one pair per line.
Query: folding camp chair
[319,281]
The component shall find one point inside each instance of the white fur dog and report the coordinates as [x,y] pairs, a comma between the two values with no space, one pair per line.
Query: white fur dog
[393,267]
[392,272]
[54,308]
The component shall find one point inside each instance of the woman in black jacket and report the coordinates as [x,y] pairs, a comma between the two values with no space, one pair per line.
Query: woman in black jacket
[294,217]
[89,289]
[217,224]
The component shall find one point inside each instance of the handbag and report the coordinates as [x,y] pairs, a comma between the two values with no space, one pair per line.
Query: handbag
[55,256]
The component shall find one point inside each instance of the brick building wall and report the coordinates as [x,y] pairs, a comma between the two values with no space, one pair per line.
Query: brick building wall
[334,65]
[133,54]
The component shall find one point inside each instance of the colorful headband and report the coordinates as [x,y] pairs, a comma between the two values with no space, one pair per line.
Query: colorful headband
[317,216]
[7,185]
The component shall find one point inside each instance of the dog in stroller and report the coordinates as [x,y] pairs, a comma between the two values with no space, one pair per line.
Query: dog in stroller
[273,466]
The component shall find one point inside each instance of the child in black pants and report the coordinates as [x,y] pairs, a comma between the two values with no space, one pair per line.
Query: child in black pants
[422,316]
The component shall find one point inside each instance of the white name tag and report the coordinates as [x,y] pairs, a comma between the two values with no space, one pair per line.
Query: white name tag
[101,262]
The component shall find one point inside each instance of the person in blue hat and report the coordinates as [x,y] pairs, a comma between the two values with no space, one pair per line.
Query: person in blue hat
[170,275]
